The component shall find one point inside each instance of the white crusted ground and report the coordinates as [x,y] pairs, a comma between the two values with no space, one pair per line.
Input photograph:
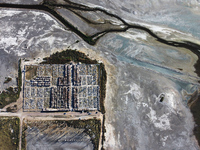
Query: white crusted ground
[139,69]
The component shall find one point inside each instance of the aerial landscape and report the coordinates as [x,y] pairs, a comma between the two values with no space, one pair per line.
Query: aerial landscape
[99,75]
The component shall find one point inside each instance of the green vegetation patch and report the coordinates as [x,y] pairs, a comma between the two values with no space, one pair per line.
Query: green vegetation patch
[8,79]
[8,96]
[103,132]
[103,79]
[67,56]
[196,114]
[9,133]
[19,79]
[91,127]
[12,94]
[12,109]
[23,144]
[73,55]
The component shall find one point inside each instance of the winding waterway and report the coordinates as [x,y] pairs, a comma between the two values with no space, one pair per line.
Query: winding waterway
[92,40]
